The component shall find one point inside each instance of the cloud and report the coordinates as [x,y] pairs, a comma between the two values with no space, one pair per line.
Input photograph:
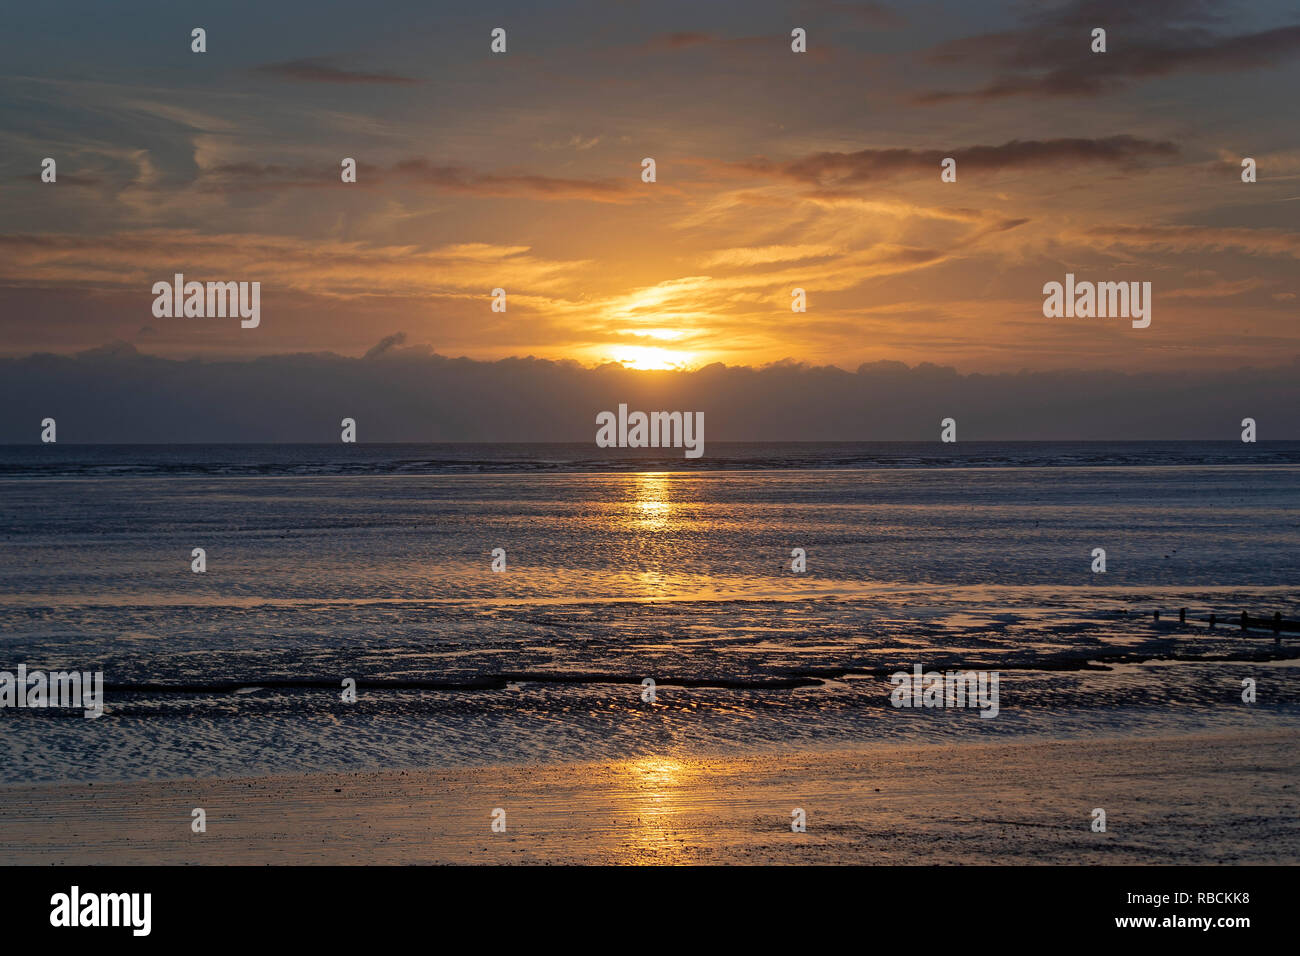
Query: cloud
[1218,290]
[833,169]
[766,255]
[385,344]
[316,266]
[1051,56]
[463,179]
[576,142]
[446,177]
[322,70]
[252,177]
[116,394]
[1276,242]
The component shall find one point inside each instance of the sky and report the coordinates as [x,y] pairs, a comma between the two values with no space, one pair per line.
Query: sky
[775,170]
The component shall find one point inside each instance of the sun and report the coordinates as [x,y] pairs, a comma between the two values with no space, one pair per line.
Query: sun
[649,357]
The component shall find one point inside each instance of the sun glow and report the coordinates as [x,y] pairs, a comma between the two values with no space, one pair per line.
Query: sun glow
[649,357]
[660,333]
[651,495]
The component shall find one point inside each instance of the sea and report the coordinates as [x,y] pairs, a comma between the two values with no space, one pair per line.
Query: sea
[648,604]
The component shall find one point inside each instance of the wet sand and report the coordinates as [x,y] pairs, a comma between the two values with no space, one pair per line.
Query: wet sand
[1192,799]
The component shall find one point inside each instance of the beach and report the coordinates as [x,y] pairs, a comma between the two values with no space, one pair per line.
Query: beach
[313,579]
[1222,799]
[652,678]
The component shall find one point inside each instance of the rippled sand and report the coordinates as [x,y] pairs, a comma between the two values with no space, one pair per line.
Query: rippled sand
[1189,799]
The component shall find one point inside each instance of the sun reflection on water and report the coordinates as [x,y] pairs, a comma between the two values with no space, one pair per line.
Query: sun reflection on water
[653,802]
[656,773]
[650,501]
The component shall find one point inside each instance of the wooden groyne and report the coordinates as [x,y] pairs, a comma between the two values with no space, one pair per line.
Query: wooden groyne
[1244,622]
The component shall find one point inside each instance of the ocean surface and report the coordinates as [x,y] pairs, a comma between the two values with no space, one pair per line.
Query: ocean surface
[373,563]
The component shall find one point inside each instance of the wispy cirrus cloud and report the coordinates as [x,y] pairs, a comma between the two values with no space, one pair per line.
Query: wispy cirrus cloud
[1277,242]
[1218,290]
[444,177]
[837,169]
[463,179]
[323,70]
[320,267]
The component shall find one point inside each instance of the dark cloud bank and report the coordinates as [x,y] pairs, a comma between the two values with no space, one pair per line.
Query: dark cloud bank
[117,394]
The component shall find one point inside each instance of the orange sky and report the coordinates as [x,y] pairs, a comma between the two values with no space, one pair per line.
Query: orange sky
[775,170]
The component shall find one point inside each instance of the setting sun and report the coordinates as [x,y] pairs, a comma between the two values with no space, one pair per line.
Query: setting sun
[649,357]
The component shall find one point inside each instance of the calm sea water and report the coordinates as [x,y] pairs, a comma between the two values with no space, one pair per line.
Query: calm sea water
[373,563]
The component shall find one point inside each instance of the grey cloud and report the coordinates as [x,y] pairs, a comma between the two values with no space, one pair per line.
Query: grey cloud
[1051,54]
[116,394]
[831,169]
[322,70]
